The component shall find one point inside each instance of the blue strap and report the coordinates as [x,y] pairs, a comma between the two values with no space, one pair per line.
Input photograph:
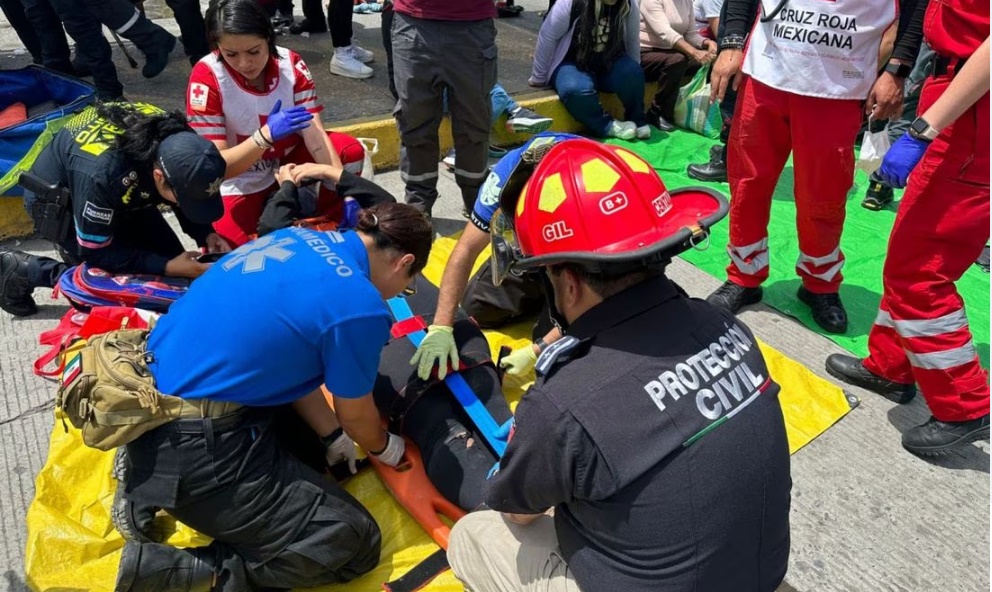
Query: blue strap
[464,394]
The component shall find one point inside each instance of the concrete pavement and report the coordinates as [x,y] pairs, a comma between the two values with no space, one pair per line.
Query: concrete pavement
[866,515]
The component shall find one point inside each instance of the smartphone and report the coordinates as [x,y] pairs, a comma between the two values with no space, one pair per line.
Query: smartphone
[210,257]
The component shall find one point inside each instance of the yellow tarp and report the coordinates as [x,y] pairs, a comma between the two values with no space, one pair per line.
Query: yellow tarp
[72,544]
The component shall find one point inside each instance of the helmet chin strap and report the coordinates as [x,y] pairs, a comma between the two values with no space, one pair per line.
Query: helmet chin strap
[557,319]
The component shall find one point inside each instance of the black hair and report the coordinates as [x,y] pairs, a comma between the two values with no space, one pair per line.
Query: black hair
[586,57]
[239,17]
[399,227]
[141,133]
[610,285]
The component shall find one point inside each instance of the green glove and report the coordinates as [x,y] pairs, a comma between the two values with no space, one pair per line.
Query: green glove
[438,347]
[520,361]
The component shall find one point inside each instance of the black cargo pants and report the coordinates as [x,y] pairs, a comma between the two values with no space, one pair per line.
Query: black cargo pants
[275,522]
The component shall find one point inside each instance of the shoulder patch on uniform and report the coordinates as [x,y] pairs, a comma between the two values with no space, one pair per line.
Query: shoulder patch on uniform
[198,95]
[554,351]
[97,214]
[302,68]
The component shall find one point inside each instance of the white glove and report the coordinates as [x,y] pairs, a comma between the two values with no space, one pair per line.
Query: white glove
[341,449]
[393,453]
[520,361]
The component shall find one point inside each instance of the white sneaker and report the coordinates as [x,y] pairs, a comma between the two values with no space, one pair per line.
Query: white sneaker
[449,160]
[345,64]
[362,55]
[622,130]
[643,132]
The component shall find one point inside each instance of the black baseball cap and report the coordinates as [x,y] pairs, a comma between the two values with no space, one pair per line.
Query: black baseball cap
[194,169]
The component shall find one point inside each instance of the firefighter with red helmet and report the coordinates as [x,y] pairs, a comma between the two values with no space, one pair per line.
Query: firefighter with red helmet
[646,387]
[921,333]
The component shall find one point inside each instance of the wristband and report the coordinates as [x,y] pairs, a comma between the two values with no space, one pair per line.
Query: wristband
[330,438]
[379,452]
[541,345]
[260,140]
[732,41]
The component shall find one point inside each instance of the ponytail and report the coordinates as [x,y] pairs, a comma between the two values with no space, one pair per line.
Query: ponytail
[141,133]
[399,227]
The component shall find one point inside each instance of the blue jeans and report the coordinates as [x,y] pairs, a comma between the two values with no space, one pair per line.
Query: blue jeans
[579,92]
[501,100]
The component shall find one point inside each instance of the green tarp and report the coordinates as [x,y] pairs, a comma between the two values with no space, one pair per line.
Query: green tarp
[864,242]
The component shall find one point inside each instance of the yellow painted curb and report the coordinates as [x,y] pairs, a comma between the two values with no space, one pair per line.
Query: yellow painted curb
[14,221]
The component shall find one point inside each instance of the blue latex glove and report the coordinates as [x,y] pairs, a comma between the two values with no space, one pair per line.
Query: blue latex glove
[901,159]
[288,122]
[351,210]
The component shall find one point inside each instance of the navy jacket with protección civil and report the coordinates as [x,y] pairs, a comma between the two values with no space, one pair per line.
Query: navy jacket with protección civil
[654,430]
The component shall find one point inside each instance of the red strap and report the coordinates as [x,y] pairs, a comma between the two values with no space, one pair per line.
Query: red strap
[407,326]
[67,329]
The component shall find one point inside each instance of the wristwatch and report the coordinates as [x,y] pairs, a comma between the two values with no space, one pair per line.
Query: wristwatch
[921,130]
[897,69]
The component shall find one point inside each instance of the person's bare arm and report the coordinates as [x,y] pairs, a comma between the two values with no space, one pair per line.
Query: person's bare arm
[969,85]
[319,144]
[314,410]
[456,273]
[360,420]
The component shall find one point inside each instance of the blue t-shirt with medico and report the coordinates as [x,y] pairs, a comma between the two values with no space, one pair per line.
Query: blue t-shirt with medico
[487,202]
[273,320]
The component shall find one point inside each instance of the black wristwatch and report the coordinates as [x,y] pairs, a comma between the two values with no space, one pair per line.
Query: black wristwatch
[330,438]
[897,69]
[921,130]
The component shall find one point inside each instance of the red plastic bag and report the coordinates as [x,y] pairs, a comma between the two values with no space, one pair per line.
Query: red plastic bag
[81,325]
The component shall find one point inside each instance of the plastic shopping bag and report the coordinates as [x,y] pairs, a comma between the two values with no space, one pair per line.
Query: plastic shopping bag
[873,149]
[693,110]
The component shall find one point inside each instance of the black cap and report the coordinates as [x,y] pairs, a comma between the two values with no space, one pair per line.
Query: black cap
[194,169]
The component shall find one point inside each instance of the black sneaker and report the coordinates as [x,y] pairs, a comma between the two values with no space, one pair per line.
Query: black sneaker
[827,309]
[524,121]
[305,26]
[15,289]
[731,297]
[878,196]
[714,171]
[157,61]
[852,371]
[936,438]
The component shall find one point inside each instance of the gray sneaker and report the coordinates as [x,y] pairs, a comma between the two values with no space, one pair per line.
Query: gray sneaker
[622,130]
[523,120]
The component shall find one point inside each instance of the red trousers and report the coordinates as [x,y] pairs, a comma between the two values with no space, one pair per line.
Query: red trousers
[241,212]
[921,334]
[768,124]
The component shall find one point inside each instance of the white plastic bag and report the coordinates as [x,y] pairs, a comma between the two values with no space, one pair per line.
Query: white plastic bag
[371,146]
[873,149]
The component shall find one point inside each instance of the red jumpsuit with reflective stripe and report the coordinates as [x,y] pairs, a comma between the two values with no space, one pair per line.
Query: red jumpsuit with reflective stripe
[808,73]
[921,334]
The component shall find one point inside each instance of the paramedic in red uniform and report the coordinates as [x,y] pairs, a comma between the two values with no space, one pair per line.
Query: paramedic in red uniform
[921,333]
[807,72]
[256,102]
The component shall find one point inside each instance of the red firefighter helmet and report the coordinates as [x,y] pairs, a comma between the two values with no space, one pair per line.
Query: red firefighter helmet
[598,206]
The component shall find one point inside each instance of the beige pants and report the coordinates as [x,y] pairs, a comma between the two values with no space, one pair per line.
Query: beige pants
[490,554]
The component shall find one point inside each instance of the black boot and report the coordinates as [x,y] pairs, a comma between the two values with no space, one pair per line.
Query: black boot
[878,195]
[163,568]
[827,309]
[15,288]
[157,61]
[852,371]
[134,522]
[731,297]
[935,437]
[715,170]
